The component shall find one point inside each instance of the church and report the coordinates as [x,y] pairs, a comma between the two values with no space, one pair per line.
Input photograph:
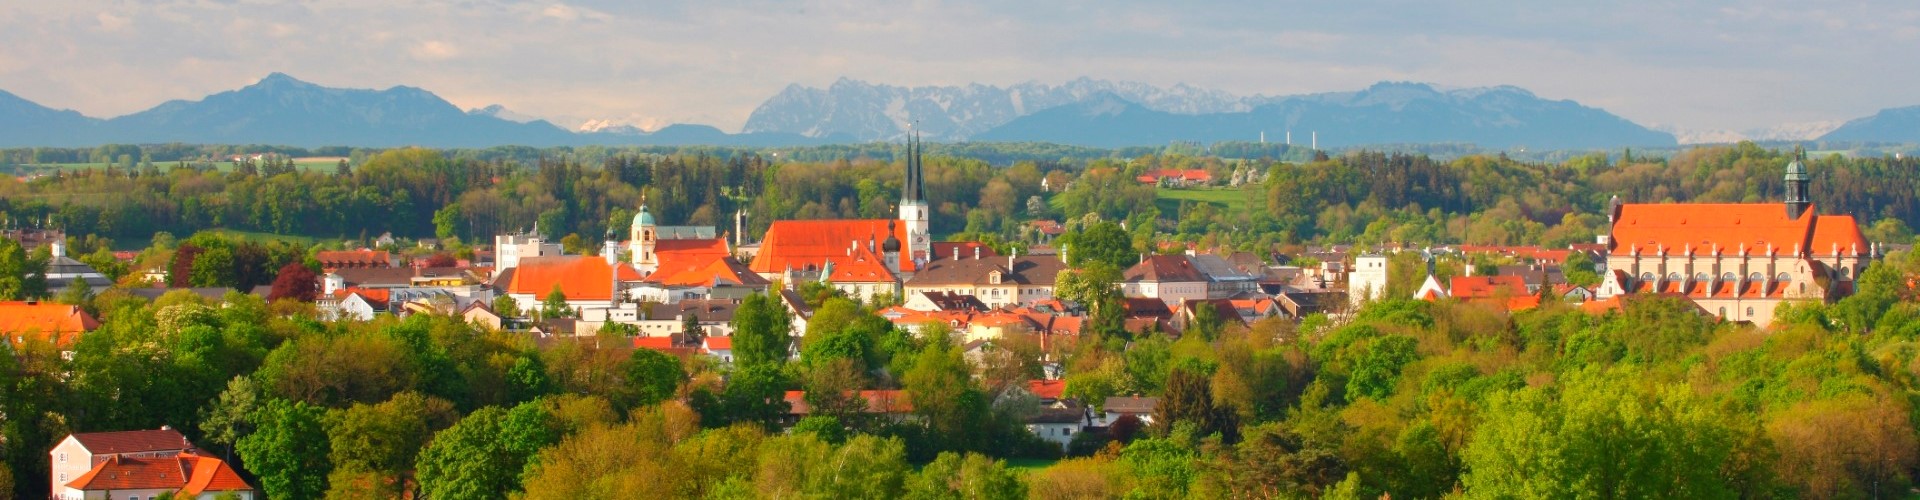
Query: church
[1737,261]
[862,257]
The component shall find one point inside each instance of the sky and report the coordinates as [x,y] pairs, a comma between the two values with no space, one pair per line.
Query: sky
[1688,65]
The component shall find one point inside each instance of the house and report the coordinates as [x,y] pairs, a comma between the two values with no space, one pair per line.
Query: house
[1224,279]
[354,304]
[508,249]
[1368,281]
[993,281]
[479,314]
[60,325]
[1059,423]
[186,475]
[1739,261]
[1170,278]
[719,347]
[79,453]
[891,404]
[1140,407]
[1536,276]
[1177,177]
[1301,303]
[1507,293]
[587,282]
[925,301]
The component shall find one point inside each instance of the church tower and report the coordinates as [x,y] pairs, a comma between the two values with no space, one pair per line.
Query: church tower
[641,245]
[1797,201]
[913,204]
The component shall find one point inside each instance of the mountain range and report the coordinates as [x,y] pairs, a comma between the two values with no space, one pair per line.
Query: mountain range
[280,109]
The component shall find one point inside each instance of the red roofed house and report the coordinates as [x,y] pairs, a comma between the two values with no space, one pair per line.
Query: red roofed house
[58,324]
[685,262]
[353,259]
[79,453]
[1183,177]
[587,281]
[861,257]
[1738,261]
[185,475]
[1170,278]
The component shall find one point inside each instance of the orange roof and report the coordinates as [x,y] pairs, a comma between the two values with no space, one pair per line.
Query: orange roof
[719,343]
[1601,306]
[861,266]
[188,473]
[579,277]
[352,258]
[1480,287]
[655,343]
[373,296]
[1704,228]
[716,271]
[678,256]
[1838,232]
[1047,389]
[798,244]
[1191,174]
[878,401]
[64,323]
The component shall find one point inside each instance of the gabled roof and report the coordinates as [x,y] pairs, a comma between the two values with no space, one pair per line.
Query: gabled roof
[953,250]
[140,441]
[1147,308]
[60,322]
[684,255]
[1164,269]
[1026,270]
[1704,227]
[1481,287]
[1047,389]
[187,473]
[1831,232]
[377,276]
[878,401]
[579,277]
[1132,405]
[353,258]
[800,244]
[723,271]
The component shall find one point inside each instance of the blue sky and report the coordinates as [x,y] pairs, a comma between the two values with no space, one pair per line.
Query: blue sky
[1691,65]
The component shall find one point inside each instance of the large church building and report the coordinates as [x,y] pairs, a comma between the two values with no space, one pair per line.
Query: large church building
[1737,261]
[862,257]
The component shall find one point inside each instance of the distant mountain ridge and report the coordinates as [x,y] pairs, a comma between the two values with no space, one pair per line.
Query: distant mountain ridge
[1901,125]
[280,109]
[1112,114]
[1385,113]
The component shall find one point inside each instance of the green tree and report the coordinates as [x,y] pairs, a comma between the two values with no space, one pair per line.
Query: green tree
[1206,322]
[383,439]
[483,455]
[761,332]
[214,268]
[954,476]
[555,304]
[288,449]
[1189,400]
[1102,242]
[652,376]
[446,222]
[505,306]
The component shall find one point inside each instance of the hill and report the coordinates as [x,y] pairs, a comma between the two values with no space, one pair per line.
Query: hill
[1889,125]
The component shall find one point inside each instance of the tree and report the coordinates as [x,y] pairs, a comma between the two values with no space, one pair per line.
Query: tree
[1206,322]
[761,332]
[224,420]
[214,268]
[652,376]
[1102,242]
[505,306]
[288,450]
[446,222]
[482,456]
[555,305]
[969,476]
[1189,400]
[383,439]
[940,385]
[296,282]
[16,271]
[690,325]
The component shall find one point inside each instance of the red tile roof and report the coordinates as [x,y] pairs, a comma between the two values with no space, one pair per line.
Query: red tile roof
[60,323]
[187,473]
[1481,287]
[140,441]
[1164,269]
[655,343]
[352,258]
[1047,389]
[579,277]
[799,244]
[721,271]
[878,401]
[1706,227]
[1839,235]
[680,256]
[719,343]
[1190,175]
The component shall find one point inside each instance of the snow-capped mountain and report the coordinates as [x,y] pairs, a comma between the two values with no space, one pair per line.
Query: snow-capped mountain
[866,111]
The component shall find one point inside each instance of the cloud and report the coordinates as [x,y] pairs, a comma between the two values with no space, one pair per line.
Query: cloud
[1727,66]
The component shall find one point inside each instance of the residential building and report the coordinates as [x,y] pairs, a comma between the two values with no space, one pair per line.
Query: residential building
[60,325]
[509,249]
[185,476]
[1170,278]
[79,453]
[995,282]
[355,259]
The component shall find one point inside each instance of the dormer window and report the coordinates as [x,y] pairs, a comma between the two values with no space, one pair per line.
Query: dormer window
[993,277]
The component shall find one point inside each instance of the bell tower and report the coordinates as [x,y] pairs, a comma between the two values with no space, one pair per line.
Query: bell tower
[641,245]
[1797,200]
[913,204]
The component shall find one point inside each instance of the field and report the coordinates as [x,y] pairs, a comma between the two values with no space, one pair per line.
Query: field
[1169,199]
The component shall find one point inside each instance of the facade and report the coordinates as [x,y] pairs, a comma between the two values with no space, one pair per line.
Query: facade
[80,453]
[1368,281]
[995,282]
[1740,261]
[183,475]
[509,249]
[1170,278]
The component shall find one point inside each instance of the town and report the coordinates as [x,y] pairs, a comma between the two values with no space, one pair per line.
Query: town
[1064,338]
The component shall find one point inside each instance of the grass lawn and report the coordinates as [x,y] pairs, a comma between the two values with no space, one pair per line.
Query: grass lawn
[1169,199]
[1030,464]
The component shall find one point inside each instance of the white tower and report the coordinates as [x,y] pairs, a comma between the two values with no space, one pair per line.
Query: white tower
[642,242]
[913,205]
[1368,280]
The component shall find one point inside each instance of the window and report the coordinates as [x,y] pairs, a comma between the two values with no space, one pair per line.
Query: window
[1723,313]
[1783,277]
[1756,277]
[1673,276]
[1646,276]
[1729,277]
[63,458]
[1749,312]
[1699,276]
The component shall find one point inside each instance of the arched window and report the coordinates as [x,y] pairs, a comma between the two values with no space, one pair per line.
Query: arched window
[1646,276]
[1845,272]
[1749,312]
[1729,277]
[1723,313]
[1673,276]
[1699,276]
[1783,277]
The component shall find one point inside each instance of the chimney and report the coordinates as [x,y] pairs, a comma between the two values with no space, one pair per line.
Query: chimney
[956,252]
[1010,256]
[59,249]
[976,252]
